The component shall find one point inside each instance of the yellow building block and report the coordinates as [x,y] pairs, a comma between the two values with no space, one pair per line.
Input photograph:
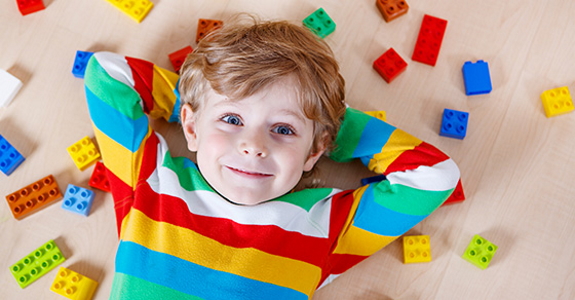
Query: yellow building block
[416,249]
[73,285]
[380,114]
[557,101]
[137,9]
[84,153]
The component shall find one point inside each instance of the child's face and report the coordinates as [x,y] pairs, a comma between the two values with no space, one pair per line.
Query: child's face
[254,149]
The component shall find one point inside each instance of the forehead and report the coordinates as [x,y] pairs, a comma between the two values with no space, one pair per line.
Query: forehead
[281,96]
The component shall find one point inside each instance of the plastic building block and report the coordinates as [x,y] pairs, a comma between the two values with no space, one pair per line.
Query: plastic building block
[557,101]
[99,178]
[454,124]
[9,87]
[80,63]
[206,26]
[10,158]
[33,197]
[476,78]
[177,58]
[78,200]
[320,23]
[380,114]
[84,153]
[136,9]
[392,9]
[37,263]
[30,6]
[480,252]
[416,249]
[457,196]
[389,65]
[429,40]
[73,285]
[377,178]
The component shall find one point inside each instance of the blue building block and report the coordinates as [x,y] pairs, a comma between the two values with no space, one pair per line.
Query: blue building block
[78,200]
[454,124]
[320,23]
[10,158]
[80,63]
[476,78]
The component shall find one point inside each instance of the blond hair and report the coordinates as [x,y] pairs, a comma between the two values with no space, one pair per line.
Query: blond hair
[247,55]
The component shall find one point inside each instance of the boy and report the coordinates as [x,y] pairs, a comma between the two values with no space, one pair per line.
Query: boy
[260,103]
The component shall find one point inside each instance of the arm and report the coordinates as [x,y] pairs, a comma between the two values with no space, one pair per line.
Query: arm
[419,178]
[121,93]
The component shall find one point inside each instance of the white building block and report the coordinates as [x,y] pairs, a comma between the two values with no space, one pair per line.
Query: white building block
[9,87]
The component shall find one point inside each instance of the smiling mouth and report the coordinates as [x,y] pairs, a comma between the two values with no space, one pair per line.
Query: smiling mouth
[249,173]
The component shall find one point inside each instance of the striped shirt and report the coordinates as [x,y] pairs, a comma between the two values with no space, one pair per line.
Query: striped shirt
[179,239]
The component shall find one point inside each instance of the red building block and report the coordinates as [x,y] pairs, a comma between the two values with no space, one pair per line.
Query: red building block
[99,178]
[177,58]
[392,9]
[33,197]
[205,26]
[30,6]
[457,196]
[389,65]
[429,40]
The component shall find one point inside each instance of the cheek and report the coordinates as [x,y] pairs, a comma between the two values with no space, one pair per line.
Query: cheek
[213,144]
[294,158]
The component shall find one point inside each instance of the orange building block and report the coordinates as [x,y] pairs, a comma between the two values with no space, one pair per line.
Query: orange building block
[33,197]
[205,26]
[392,9]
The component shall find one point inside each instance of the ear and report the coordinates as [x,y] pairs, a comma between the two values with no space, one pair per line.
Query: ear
[188,119]
[314,157]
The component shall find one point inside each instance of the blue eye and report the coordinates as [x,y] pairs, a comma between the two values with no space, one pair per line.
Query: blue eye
[233,120]
[284,130]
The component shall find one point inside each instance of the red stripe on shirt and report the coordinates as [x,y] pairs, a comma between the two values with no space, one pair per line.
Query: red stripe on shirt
[143,74]
[422,155]
[123,198]
[268,238]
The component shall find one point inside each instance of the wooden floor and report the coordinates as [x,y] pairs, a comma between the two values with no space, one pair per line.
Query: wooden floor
[518,166]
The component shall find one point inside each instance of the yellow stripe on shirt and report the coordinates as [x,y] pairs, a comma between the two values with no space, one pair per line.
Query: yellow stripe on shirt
[398,143]
[115,156]
[164,83]
[194,247]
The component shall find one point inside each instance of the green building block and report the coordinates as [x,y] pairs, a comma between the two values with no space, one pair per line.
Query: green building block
[320,23]
[37,263]
[480,252]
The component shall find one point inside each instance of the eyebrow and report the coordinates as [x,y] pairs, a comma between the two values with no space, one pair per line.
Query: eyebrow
[293,113]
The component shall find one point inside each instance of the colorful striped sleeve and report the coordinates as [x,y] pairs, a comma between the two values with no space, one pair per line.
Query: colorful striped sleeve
[121,93]
[418,179]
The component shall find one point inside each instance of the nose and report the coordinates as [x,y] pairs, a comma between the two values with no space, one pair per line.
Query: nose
[253,144]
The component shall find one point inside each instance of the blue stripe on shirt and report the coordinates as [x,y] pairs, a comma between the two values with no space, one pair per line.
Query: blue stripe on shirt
[374,136]
[187,277]
[378,219]
[120,128]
